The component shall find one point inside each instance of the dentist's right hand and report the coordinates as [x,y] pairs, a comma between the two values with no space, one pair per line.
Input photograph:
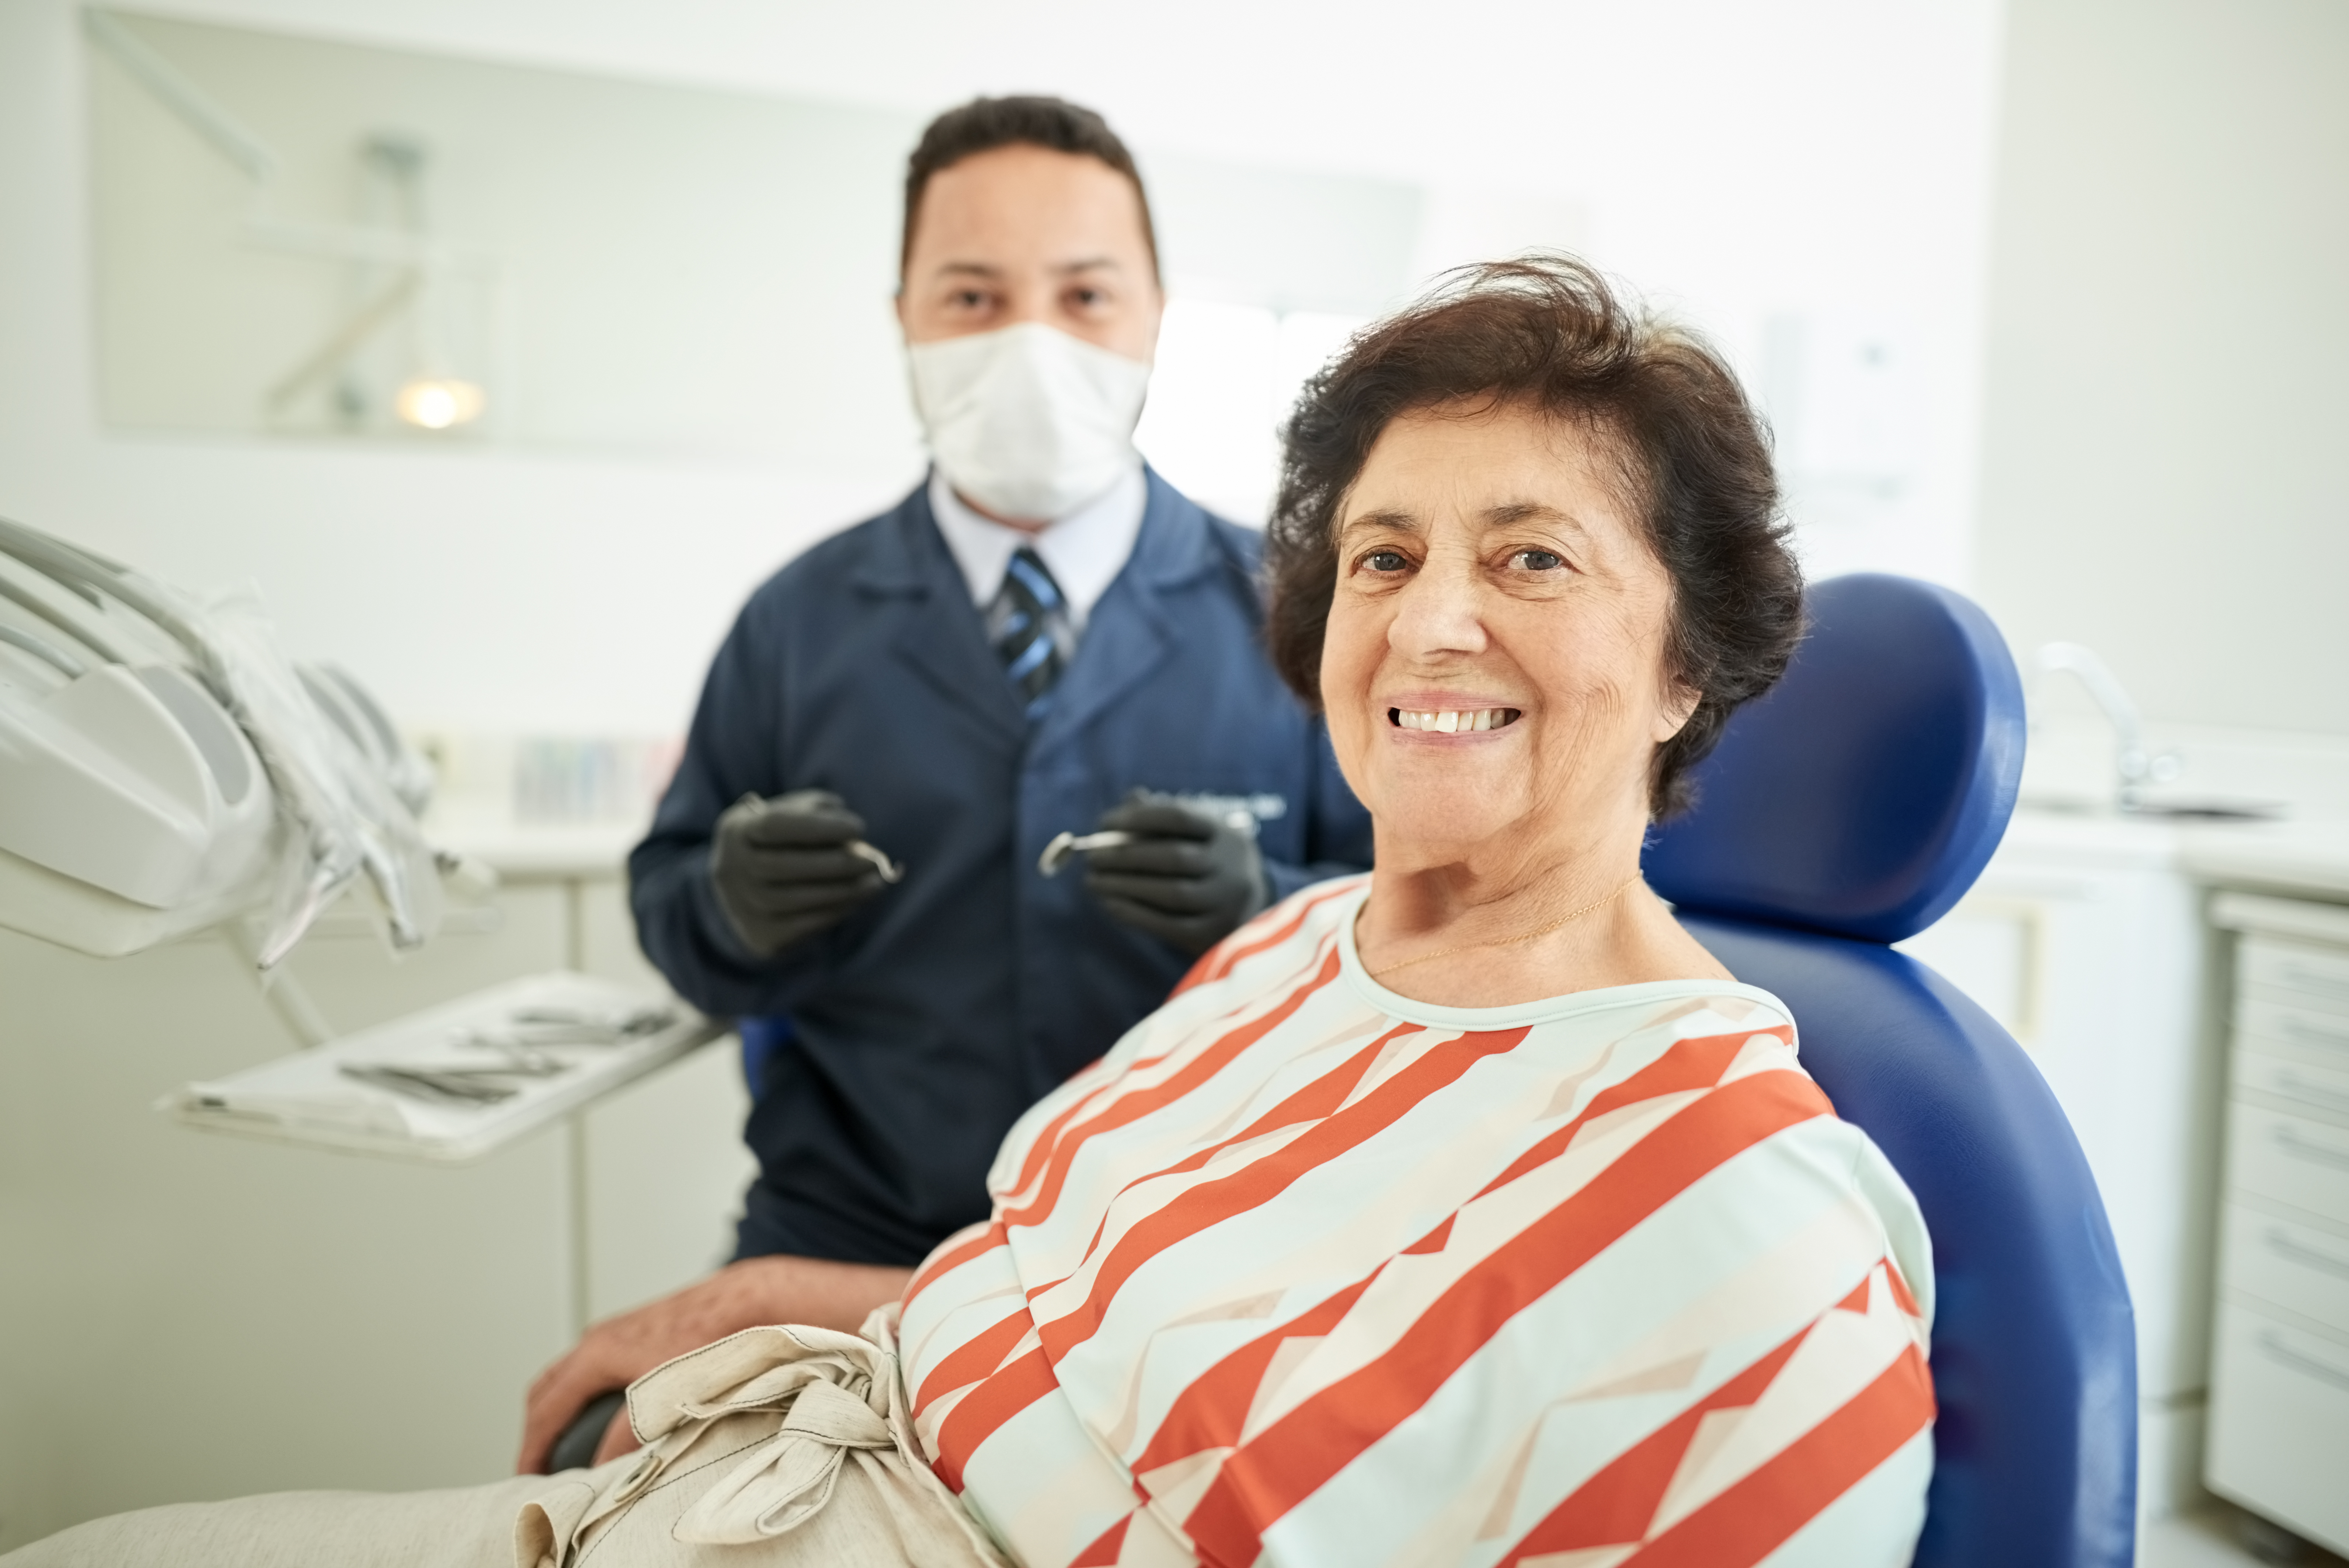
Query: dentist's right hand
[787,867]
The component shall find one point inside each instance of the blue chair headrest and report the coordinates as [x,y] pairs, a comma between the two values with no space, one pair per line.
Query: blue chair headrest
[1864,793]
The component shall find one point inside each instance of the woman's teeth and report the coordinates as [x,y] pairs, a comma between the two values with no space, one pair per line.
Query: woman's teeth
[1453,721]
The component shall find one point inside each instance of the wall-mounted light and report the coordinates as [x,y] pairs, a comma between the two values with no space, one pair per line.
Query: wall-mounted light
[402,269]
[438,403]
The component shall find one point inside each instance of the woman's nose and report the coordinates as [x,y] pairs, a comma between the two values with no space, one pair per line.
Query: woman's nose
[1440,611]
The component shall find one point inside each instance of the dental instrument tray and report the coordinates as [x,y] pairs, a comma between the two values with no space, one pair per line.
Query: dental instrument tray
[452,1083]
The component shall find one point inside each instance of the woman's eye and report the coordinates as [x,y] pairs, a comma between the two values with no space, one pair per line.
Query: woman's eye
[1385,561]
[1537,560]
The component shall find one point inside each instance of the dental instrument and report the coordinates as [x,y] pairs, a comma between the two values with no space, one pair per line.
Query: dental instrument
[432,1083]
[891,872]
[1056,854]
[587,1026]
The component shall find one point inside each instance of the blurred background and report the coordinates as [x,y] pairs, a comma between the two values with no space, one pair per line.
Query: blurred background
[2041,303]
[665,243]
[504,346]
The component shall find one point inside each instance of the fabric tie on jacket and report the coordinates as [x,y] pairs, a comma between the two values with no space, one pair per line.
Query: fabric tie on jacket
[795,1473]
[1029,626]
[762,1434]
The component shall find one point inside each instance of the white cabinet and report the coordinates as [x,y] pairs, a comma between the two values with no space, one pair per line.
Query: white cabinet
[662,1172]
[185,1315]
[2280,1373]
[2087,941]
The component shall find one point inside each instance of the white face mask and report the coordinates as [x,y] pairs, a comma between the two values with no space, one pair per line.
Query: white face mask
[1027,421]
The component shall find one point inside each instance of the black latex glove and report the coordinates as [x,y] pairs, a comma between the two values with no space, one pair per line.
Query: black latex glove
[1188,878]
[783,870]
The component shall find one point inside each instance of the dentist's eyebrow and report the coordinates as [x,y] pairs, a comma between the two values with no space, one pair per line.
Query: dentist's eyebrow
[968,269]
[1089,264]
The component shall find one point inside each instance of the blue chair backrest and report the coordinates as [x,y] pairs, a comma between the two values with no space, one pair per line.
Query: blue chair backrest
[1851,807]
[762,1039]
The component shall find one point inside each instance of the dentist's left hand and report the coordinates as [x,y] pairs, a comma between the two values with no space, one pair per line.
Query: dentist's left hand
[745,1295]
[1186,877]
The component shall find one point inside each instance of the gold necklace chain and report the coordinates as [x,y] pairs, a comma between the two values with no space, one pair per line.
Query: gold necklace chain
[1563,920]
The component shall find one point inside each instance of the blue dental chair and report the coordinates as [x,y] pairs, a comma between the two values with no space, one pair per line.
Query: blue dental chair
[1849,808]
[761,1038]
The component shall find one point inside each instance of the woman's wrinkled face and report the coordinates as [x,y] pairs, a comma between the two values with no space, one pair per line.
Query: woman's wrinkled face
[1494,659]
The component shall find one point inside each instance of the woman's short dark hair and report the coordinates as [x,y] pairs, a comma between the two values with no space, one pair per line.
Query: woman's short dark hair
[984,124]
[1546,332]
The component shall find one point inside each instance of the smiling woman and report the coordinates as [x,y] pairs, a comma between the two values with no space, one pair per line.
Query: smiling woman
[1528,558]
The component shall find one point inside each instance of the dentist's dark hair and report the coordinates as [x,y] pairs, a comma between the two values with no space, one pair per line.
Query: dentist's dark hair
[984,124]
[1691,457]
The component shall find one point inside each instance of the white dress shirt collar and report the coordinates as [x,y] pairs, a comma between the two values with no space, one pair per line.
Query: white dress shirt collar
[1083,551]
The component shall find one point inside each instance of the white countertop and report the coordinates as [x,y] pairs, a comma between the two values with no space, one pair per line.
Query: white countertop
[2309,859]
[528,851]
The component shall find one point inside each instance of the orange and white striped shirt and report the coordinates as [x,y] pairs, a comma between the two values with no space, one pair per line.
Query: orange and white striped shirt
[1306,1272]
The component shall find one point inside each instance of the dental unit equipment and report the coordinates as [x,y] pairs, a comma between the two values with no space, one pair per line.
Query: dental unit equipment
[164,767]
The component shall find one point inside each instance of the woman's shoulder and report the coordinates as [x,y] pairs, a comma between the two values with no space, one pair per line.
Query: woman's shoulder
[1267,945]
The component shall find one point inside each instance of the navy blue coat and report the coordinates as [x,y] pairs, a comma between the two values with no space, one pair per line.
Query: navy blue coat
[924,1025]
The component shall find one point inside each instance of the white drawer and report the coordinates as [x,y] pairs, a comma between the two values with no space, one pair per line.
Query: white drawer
[2315,971]
[2297,1267]
[2280,1423]
[2324,1090]
[2313,1028]
[2290,1159]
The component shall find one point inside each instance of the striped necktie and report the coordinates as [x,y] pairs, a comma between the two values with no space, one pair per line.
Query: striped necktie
[1028,623]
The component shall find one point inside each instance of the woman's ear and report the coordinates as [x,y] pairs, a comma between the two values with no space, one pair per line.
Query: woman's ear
[1678,707]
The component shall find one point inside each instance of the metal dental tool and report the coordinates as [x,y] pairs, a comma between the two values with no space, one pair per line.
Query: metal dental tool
[1056,854]
[891,872]
[525,1060]
[576,1026]
[445,1085]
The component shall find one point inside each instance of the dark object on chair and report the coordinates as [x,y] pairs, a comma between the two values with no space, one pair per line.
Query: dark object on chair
[1849,808]
[575,1449]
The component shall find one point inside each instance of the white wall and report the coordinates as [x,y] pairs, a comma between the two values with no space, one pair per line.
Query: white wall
[1744,163]
[2168,384]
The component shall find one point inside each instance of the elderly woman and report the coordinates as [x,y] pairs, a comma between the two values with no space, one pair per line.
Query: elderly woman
[1468,1213]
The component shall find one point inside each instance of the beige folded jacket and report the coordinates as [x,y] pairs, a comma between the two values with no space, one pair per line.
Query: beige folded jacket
[795,1440]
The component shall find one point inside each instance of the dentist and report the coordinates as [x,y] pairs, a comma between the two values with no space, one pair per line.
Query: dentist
[1044,635]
